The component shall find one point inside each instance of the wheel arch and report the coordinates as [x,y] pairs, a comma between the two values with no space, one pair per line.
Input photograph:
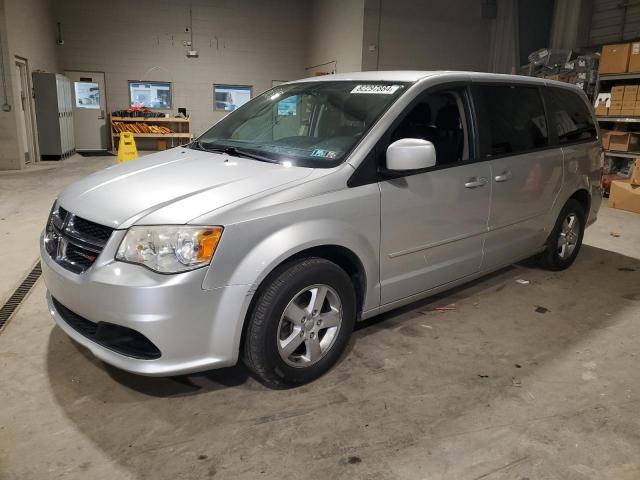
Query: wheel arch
[583,197]
[342,256]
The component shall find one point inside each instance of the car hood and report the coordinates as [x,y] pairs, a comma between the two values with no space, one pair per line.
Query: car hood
[172,187]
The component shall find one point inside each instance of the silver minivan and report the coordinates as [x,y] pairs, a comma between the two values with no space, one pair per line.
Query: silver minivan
[319,203]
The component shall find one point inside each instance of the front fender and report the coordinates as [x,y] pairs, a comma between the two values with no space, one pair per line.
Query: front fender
[252,249]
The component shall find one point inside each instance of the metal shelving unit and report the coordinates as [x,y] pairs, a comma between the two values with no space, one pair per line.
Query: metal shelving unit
[618,161]
[619,76]
[619,119]
[613,153]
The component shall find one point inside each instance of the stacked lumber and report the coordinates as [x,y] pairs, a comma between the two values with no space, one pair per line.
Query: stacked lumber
[139,127]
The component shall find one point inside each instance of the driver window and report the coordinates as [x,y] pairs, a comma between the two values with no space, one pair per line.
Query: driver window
[440,119]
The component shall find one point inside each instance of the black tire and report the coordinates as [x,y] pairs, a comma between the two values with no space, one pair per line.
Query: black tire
[551,258]
[260,350]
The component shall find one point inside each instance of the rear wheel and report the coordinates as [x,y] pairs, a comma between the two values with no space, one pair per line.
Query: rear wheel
[565,239]
[301,323]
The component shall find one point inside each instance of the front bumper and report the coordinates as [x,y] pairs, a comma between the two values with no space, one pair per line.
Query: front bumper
[194,329]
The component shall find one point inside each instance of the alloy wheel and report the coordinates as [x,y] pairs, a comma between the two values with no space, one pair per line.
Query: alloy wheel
[569,236]
[309,325]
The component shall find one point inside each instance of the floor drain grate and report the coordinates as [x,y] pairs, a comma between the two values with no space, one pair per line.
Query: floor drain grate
[19,295]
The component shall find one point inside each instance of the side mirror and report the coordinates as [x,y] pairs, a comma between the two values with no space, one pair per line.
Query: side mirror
[410,154]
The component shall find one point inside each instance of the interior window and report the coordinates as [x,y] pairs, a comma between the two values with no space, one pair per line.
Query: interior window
[439,118]
[512,119]
[150,94]
[571,116]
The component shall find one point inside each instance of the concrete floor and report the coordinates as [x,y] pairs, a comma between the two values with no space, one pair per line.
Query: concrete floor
[492,389]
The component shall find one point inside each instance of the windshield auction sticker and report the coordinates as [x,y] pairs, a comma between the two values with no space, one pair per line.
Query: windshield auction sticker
[378,89]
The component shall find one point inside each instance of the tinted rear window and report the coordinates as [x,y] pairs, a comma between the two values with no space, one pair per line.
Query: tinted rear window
[570,116]
[511,119]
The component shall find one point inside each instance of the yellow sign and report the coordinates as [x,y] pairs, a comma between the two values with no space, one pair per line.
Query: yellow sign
[127,148]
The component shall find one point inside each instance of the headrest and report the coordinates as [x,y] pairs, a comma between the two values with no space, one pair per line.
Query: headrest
[448,118]
[421,114]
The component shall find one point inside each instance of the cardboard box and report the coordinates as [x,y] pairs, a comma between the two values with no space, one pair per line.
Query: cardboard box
[635,173]
[624,142]
[614,112]
[627,112]
[602,110]
[634,57]
[624,196]
[605,135]
[615,58]
[561,77]
[617,92]
[628,104]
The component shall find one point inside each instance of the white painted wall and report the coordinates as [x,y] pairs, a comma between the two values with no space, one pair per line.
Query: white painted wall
[28,30]
[335,35]
[244,42]
[426,35]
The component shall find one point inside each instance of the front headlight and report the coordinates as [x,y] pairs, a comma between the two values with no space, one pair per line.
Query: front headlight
[169,249]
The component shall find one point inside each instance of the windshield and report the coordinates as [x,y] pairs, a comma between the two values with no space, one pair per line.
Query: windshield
[313,124]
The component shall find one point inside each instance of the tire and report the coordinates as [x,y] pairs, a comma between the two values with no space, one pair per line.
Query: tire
[283,316]
[554,257]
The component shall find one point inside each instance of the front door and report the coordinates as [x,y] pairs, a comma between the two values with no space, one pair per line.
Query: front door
[433,224]
[89,107]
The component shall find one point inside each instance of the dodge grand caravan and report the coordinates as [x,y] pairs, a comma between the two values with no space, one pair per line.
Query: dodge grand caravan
[318,203]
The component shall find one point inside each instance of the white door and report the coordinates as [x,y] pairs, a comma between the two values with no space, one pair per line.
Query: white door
[433,224]
[25,112]
[89,110]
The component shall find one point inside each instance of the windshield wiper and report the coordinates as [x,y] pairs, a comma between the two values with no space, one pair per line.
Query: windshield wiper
[197,145]
[233,151]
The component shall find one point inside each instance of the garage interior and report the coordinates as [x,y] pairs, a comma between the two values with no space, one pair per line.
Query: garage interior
[523,374]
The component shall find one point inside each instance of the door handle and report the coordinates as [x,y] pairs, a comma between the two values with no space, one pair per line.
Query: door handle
[503,177]
[475,182]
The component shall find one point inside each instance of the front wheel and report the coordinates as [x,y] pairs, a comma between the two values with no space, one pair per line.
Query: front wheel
[565,239]
[300,323]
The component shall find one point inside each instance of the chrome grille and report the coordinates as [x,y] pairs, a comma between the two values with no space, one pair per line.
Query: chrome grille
[74,242]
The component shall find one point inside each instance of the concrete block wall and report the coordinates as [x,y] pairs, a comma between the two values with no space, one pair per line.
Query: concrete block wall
[245,42]
[335,36]
[425,35]
[240,42]
[27,30]
[9,152]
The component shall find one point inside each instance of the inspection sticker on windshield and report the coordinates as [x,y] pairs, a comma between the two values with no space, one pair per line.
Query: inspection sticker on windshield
[379,89]
[324,153]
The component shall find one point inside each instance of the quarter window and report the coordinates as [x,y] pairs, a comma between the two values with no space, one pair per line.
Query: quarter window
[511,120]
[570,116]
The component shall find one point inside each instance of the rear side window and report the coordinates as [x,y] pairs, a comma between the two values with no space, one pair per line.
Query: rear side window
[570,116]
[511,119]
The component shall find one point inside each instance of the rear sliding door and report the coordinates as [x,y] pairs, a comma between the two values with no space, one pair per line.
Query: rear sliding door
[526,169]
